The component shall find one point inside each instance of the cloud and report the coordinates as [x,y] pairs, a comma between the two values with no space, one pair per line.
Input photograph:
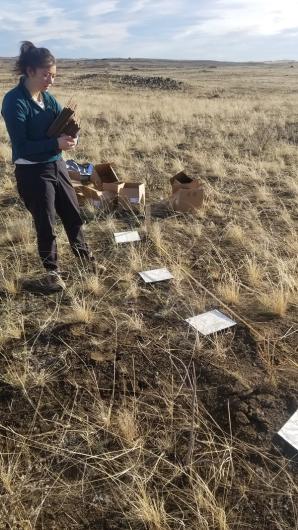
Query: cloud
[80,25]
[251,17]
[101,8]
[219,29]
[31,20]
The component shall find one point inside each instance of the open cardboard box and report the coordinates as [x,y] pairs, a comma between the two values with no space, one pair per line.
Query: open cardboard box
[103,173]
[80,172]
[88,193]
[105,200]
[113,187]
[187,193]
[132,196]
[76,175]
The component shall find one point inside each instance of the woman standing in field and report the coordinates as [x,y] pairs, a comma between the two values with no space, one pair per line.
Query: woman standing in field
[41,175]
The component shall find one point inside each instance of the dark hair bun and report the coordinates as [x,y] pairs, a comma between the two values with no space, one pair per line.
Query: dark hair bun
[26,47]
[33,57]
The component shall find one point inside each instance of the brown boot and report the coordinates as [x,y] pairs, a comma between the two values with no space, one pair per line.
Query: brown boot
[92,266]
[55,281]
[50,283]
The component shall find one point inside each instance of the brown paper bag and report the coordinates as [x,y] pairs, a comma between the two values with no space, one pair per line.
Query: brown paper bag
[187,193]
[182,180]
[187,200]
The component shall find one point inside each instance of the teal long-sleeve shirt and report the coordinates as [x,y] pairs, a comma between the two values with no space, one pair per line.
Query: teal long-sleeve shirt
[27,124]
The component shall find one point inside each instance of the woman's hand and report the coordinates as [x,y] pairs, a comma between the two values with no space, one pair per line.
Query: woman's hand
[66,142]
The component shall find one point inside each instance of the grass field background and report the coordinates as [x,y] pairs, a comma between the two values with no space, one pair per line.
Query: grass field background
[163,428]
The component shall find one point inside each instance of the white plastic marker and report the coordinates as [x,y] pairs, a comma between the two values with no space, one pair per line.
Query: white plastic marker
[210,322]
[156,275]
[126,237]
[289,431]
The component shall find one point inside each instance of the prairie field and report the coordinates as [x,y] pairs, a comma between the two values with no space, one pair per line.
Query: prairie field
[114,413]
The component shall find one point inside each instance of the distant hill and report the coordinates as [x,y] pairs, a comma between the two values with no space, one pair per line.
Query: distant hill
[163,62]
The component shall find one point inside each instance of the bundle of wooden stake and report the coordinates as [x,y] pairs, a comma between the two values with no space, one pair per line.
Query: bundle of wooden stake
[65,123]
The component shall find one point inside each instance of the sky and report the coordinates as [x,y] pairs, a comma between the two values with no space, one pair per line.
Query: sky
[228,30]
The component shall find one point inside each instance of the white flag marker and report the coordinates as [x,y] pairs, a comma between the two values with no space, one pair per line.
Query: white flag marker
[210,322]
[289,431]
[156,275]
[127,237]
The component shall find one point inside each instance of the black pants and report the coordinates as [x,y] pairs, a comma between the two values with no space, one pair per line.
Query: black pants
[46,188]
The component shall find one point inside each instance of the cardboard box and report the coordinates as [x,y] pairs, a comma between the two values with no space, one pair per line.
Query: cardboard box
[82,177]
[96,180]
[89,193]
[103,173]
[187,193]
[106,172]
[88,190]
[132,196]
[77,185]
[81,199]
[105,200]
[113,187]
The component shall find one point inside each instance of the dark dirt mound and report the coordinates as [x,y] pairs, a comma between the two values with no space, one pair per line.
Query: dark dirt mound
[160,83]
[83,77]
[134,81]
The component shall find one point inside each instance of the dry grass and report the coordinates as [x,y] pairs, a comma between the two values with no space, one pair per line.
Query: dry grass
[81,310]
[276,300]
[163,429]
